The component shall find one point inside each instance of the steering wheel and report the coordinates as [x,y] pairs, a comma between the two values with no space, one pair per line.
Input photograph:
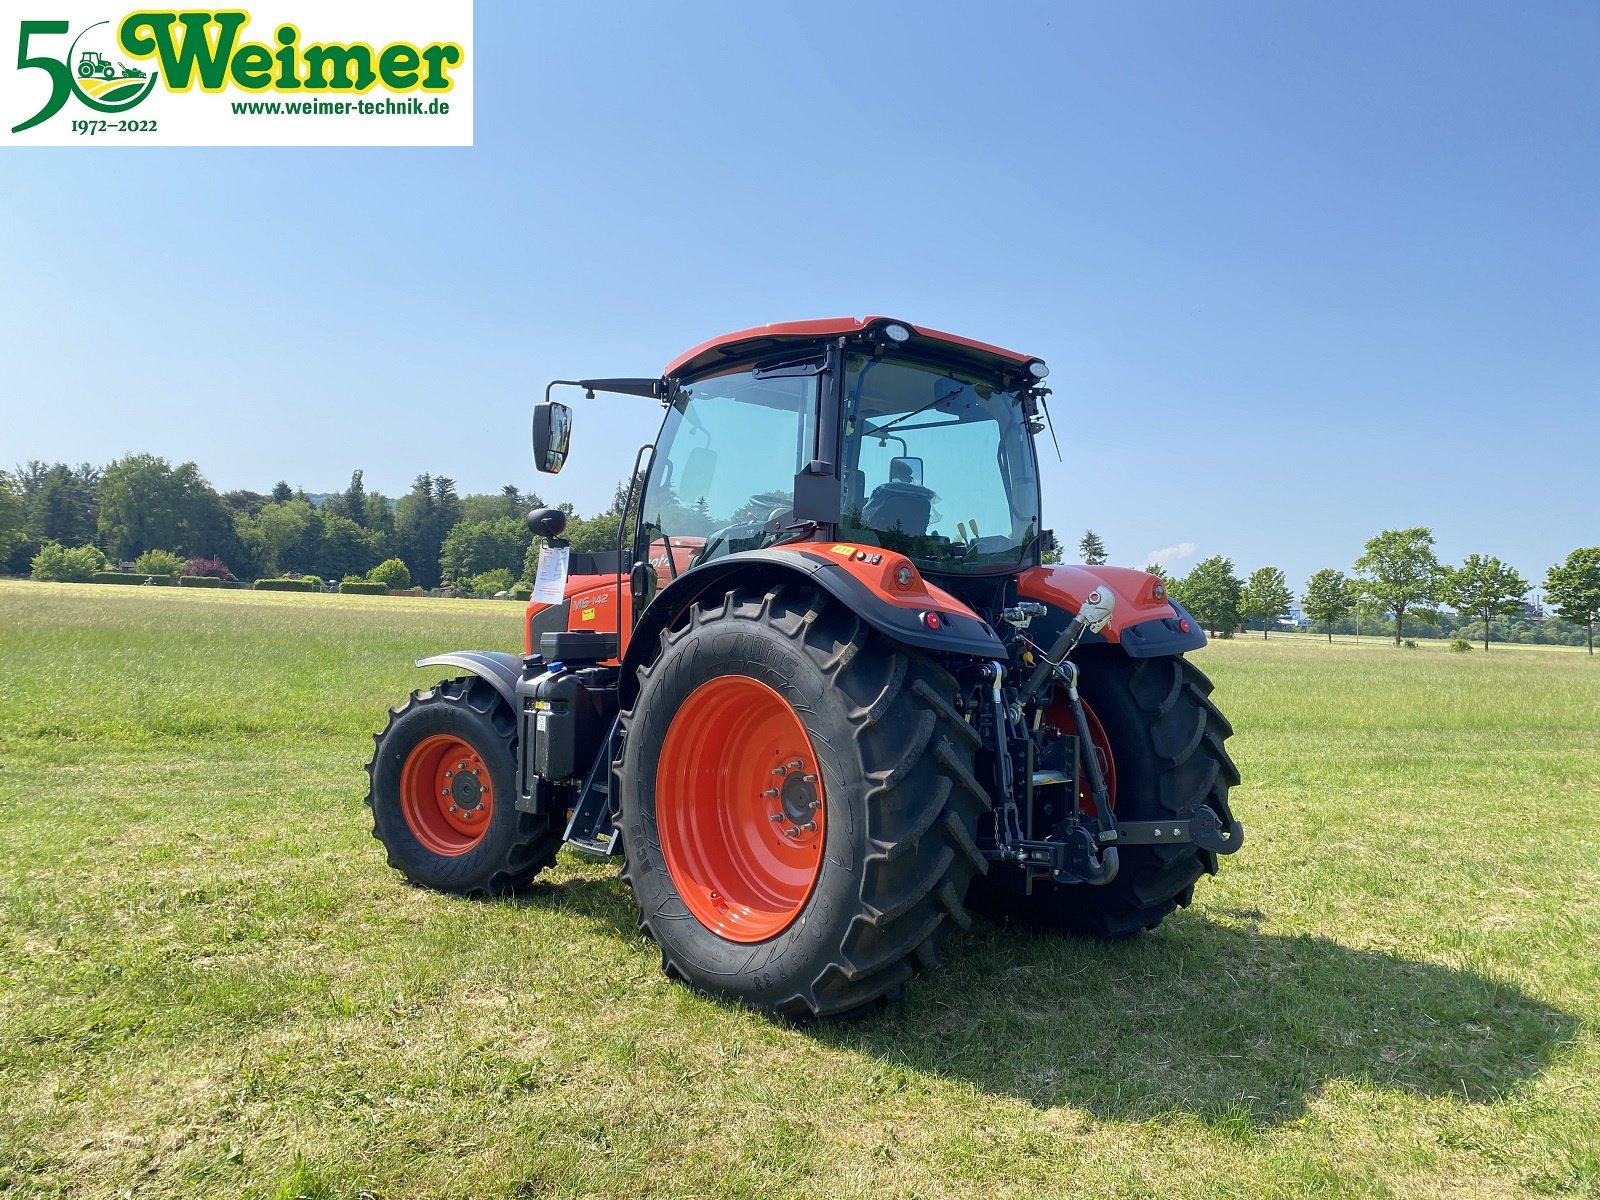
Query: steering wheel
[764,513]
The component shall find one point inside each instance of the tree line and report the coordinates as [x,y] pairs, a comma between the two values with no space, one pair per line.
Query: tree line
[1398,576]
[60,521]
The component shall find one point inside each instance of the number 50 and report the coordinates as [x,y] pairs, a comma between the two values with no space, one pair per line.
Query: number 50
[60,78]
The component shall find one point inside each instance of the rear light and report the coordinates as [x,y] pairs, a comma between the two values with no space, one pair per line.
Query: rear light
[1038,370]
[904,577]
[1183,624]
[931,620]
[1159,591]
[897,333]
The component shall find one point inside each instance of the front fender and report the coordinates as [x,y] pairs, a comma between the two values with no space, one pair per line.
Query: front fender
[1146,622]
[862,578]
[500,669]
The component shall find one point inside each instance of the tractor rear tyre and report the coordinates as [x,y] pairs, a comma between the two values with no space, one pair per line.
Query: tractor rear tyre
[798,805]
[443,789]
[1164,754]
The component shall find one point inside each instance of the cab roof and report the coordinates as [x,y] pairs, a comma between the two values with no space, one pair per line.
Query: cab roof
[761,338]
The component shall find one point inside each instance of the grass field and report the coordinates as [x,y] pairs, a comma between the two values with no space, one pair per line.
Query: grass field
[211,985]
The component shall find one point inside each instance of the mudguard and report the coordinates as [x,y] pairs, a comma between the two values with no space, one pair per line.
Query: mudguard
[1146,622]
[502,670]
[862,578]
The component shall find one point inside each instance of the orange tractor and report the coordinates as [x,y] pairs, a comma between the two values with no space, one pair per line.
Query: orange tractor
[825,698]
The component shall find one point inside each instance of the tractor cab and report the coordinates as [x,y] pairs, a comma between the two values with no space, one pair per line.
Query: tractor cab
[866,432]
[930,457]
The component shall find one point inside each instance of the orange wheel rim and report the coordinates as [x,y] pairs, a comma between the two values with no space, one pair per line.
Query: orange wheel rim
[446,795]
[740,811]
[1060,715]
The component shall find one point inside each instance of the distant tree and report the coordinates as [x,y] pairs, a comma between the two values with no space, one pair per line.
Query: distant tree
[65,564]
[246,502]
[282,493]
[1573,589]
[491,583]
[1211,593]
[1266,595]
[276,539]
[1399,571]
[1329,597]
[1091,549]
[158,562]
[350,503]
[392,573]
[423,518]
[215,568]
[1159,571]
[346,549]
[60,503]
[474,547]
[146,503]
[1486,588]
[11,531]
[379,516]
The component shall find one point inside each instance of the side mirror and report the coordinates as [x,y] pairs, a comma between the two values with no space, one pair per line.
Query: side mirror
[905,470]
[552,433]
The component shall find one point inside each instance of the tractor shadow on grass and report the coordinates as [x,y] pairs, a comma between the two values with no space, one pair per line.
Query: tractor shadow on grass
[1206,1018]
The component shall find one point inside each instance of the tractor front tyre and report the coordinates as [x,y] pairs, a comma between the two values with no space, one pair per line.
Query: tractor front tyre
[798,805]
[443,789]
[1163,754]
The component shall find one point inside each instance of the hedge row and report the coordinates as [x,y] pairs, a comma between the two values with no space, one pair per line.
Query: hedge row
[210,581]
[407,592]
[131,577]
[357,588]
[288,585]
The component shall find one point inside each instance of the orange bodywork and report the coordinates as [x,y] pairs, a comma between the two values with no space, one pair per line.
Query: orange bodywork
[1140,596]
[878,569]
[594,602]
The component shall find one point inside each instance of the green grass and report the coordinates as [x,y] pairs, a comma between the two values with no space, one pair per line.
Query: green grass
[211,985]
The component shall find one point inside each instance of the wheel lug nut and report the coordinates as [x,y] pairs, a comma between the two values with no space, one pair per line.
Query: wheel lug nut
[808,778]
[770,794]
[775,818]
[453,808]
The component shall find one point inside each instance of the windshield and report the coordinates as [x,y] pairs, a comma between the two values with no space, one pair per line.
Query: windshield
[723,475]
[938,465]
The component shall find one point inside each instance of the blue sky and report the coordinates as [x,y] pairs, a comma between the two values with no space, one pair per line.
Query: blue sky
[1301,272]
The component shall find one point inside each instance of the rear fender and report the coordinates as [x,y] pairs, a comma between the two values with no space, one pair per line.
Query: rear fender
[500,669]
[862,578]
[1146,622]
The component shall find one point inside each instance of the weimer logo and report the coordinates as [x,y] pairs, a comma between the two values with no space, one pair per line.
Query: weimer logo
[197,58]
[89,72]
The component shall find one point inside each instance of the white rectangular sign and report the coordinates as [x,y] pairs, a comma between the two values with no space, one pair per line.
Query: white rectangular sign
[282,73]
[550,582]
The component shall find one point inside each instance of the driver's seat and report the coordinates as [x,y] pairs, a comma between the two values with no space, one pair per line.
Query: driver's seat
[899,508]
